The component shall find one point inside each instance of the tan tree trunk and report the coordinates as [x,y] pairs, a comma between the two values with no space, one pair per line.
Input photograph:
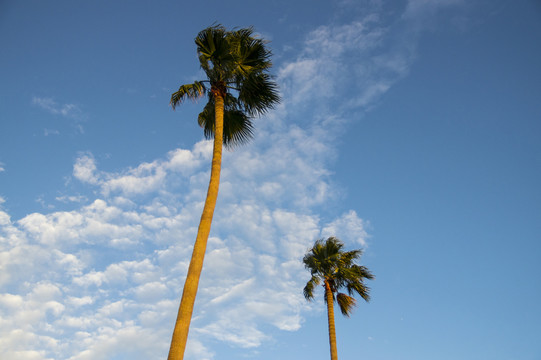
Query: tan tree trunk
[330,317]
[184,317]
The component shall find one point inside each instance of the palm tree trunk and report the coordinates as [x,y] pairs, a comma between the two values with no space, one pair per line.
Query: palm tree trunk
[182,325]
[330,317]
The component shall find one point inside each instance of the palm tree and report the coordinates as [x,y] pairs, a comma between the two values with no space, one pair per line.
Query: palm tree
[334,269]
[238,87]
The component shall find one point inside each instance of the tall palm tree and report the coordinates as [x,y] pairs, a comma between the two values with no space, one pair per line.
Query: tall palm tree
[238,87]
[334,269]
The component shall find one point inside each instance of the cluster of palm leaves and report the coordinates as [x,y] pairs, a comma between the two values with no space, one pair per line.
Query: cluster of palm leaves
[239,88]
[328,263]
[236,64]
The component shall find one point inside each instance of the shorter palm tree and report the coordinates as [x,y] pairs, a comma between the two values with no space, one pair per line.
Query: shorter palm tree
[335,269]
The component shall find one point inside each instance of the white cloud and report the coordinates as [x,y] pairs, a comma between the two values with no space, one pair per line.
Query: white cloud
[71,198]
[235,291]
[85,169]
[48,132]
[340,61]
[79,301]
[348,226]
[130,340]
[151,292]
[66,110]
[146,177]
[11,301]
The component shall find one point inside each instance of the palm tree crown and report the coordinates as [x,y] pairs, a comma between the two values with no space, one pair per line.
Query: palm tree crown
[236,64]
[329,264]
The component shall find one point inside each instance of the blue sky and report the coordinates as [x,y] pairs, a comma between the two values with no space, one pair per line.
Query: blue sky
[407,128]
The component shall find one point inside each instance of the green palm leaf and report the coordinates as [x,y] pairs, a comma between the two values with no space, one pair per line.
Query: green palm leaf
[308,290]
[214,51]
[238,128]
[188,91]
[258,93]
[345,303]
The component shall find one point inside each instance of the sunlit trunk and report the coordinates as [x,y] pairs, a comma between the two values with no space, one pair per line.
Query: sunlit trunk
[182,325]
[330,316]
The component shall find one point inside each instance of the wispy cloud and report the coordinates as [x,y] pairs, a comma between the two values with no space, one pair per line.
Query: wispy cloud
[48,132]
[71,198]
[68,111]
[334,59]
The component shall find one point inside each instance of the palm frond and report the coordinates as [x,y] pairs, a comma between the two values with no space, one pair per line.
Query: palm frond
[258,93]
[213,49]
[206,120]
[348,257]
[363,272]
[346,303]
[238,128]
[360,288]
[188,91]
[308,290]
[251,54]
